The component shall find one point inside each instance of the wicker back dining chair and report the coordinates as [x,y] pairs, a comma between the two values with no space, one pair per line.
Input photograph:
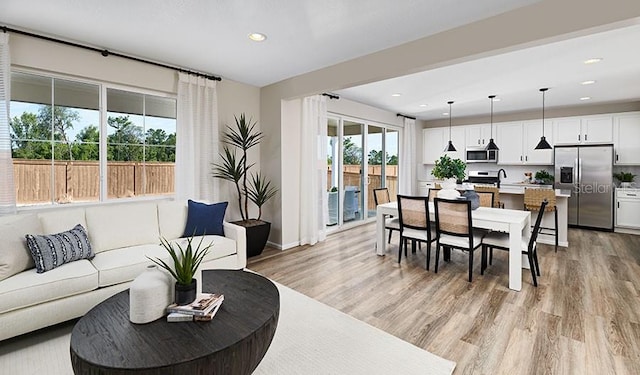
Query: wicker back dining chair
[500,240]
[486,198]
[533,198]
[381,196]
[414,224]
[496,193]
[454,228]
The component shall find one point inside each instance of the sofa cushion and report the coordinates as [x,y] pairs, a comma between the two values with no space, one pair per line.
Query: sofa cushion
[53,250]
[61,219]
[222,247]
[14,254]
[122,225]
[122,265]
[205,219]
[31,288]
[172,217]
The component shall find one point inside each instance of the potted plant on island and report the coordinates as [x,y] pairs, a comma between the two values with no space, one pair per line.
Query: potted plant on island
[185,265]
[252,187]
[625,178]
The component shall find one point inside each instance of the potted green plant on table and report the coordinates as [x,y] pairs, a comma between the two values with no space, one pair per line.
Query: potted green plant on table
[252,187]
[449,168]
[451,172]
[625,178]
[185,265]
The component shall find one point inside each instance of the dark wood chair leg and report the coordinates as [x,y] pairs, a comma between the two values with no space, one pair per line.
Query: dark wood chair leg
[532,267]
[390,233]
[428,254]
[483,263]
[470,264]
[437,254]
[535,260]
[402,241]
[555,211]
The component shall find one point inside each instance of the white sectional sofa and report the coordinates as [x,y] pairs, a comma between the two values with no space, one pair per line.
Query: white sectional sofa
[121,236]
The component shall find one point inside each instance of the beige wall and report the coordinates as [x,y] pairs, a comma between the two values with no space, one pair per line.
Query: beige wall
[354,109]
[233,97]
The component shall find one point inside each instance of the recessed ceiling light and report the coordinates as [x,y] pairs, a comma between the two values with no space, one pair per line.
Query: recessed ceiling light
[591,82]
[445,113]
[396,94]
[593,60]
[585,98]
[257,37]
[496,99]
[423,105]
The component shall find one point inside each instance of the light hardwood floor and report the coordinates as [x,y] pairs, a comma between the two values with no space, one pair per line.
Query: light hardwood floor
[584,318]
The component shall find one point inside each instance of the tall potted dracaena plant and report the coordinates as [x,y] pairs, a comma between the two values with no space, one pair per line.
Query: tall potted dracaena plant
[251,187]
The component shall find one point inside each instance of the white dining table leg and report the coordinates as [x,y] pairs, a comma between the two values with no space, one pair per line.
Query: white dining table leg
[381,247]
[515,257]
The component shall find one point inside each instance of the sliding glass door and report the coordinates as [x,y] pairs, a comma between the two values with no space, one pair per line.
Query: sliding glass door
[361,156]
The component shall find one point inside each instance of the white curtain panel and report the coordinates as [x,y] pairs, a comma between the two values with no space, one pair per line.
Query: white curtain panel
[408,158]
[314,208]
[7,187]
[197,138]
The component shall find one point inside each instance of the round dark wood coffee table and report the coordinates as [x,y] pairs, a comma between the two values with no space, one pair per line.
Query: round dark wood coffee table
[104,341]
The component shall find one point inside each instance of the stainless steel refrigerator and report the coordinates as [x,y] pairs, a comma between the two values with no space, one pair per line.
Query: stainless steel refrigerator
[588,172]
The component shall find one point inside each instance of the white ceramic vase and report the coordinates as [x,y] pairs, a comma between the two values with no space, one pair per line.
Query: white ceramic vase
[149,295]
[448,190]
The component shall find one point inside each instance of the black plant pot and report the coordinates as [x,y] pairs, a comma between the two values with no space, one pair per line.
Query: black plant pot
[257,235]
[185,294]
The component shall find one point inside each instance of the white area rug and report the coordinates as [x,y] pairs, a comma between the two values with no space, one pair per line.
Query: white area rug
[311,338]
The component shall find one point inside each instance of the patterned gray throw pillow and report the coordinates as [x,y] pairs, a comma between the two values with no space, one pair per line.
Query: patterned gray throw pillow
[53,250]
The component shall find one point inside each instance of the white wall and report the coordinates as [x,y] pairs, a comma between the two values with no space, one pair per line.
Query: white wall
[44,56]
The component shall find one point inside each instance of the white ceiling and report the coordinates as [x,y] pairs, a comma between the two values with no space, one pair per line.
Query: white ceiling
[305,35]
[516,78]
[211,35]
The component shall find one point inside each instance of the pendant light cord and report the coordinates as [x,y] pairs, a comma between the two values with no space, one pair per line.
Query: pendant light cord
[450,121]
[491,98]
[544,90]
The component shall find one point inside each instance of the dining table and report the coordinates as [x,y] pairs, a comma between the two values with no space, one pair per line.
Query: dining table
[515,222]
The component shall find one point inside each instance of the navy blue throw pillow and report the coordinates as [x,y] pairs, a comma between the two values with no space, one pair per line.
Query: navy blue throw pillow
[205,219]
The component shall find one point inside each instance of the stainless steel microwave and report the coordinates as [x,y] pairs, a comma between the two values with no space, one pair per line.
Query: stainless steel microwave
[481,155]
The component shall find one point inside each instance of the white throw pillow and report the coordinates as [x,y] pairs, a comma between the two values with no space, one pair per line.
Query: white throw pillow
[14,253]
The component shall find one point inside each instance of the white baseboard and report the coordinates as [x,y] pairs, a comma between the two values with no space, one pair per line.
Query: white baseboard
[552,242]
[283,247]
[627,230]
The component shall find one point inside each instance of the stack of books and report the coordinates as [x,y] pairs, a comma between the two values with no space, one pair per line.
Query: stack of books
[203,309]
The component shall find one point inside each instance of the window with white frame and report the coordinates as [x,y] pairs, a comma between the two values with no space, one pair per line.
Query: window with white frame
[64,152]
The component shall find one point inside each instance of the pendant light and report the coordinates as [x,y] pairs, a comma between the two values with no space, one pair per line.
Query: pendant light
[491,145]
[543,144]
[449,147]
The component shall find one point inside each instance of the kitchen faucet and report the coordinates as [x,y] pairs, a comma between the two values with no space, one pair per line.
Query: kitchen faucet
[504,173]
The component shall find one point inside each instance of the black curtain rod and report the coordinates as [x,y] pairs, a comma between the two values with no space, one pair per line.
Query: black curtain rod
[106,53]
[401,115]
[331,96]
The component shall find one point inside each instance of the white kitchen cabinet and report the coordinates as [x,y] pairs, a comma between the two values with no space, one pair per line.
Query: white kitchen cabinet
[477,135]
[434,141]
[517,142]
[627,208]
[432,144]
[626,133]
[583,130]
